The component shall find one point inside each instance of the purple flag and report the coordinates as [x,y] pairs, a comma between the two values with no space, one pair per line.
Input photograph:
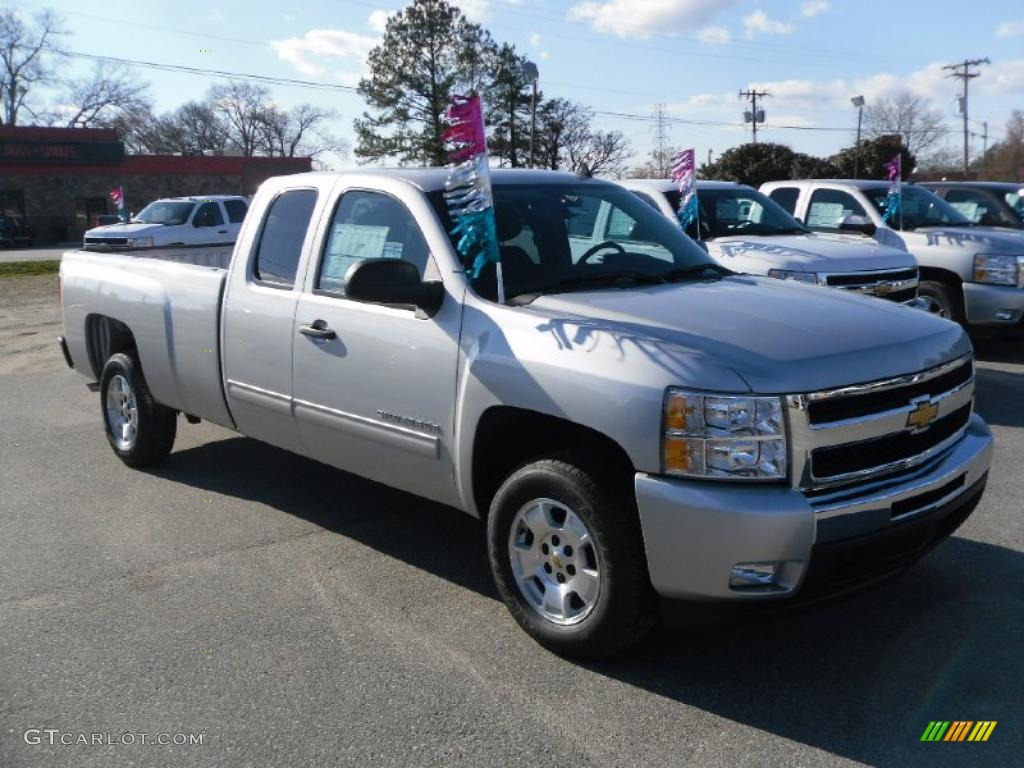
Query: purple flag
[684,173]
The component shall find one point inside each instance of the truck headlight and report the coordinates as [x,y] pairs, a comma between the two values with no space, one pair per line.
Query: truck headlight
[787,274]
[998,269]
[140,242]
[708,435]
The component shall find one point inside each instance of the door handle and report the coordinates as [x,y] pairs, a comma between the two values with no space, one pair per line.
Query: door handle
[317,330]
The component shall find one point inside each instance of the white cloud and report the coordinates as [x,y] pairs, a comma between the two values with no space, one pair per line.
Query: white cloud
[1010,29]
[644,18]
[535,40]
[351,79]
[758,22]
[475,10]
[379,19]
[714,35]
[307,53]
[814,7]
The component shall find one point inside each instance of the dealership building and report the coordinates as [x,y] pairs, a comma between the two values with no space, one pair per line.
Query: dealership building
[59,179]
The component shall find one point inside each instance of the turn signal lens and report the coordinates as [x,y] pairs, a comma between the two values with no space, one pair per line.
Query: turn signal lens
[684,455]
[675,412]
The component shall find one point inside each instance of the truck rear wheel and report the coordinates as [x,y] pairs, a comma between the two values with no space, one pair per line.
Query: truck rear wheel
[568,560]
[140,430]
[942,299]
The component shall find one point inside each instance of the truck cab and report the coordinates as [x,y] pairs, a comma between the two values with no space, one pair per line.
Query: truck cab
[971,274]
[747,232]
[986,203]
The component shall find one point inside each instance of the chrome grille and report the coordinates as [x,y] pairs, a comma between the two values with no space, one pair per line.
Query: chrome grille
[871,430]
[896,285]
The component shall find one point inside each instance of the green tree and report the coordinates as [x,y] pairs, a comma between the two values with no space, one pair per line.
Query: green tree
[508,101]
[874,154]
[429,52]
[811,167]
[752,164]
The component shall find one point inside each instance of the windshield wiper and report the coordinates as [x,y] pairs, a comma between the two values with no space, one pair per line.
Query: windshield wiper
[695,269]
[604,277]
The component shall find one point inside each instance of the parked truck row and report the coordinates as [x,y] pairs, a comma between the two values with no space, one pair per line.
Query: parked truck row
[639,419]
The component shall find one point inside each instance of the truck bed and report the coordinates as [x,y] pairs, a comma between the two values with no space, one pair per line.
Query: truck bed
[170,298]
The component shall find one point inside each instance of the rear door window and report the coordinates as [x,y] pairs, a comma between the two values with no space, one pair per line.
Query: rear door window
[236,210]
[284,231]
[786,197]
[208,215]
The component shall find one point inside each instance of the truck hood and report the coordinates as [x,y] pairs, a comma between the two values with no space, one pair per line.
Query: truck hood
[811,253]
[968,239]
[125,230]
[777,336]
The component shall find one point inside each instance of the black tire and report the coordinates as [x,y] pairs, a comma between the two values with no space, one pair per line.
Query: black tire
[156,425]
[625,608]
[944,298]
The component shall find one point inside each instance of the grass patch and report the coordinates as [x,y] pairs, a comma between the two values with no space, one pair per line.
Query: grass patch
[22,268]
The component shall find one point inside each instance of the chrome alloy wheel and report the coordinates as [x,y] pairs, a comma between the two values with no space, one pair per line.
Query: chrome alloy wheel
[934,307]
[122,412]
[554,561]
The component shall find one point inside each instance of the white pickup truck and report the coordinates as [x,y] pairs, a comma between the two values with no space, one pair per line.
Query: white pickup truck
[174,221]
[971,274]
[746,232]
[633,421]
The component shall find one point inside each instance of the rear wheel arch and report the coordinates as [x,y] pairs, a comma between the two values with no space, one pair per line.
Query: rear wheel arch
[507,437]
[944,286]
[104,337]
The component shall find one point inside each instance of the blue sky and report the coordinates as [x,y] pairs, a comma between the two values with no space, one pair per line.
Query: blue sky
[616,56]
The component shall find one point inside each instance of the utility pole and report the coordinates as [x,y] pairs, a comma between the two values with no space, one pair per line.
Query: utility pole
[661,149]
[754,116]
[709,155]
[962,71]
[530,72]
[984,149]
[858,102]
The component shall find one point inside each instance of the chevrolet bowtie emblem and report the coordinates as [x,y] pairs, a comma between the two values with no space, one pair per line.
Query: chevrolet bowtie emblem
[923,415]
[883,288]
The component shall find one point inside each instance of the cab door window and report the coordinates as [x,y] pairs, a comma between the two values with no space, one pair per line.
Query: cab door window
[371,225]
[208,215]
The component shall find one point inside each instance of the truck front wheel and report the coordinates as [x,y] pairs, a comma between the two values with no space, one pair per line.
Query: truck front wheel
[568,559]
[942,300]
[139,429]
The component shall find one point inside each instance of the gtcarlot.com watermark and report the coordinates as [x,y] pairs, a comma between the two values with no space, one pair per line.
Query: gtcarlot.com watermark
[55,737]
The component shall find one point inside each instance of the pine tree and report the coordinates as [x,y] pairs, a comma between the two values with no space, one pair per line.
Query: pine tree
[508,100]
[429,52]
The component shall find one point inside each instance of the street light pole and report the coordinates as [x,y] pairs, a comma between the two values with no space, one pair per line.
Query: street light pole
[531,73]
[858,102]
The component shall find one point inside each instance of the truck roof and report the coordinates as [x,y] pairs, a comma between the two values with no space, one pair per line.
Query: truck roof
[857,183]
[667,185]
[203,198]
[433,179]
[1001,186]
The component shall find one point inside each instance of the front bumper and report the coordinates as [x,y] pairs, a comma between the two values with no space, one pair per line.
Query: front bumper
[993,304]
[696,531]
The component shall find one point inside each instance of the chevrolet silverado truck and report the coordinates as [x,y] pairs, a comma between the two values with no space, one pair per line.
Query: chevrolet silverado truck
[633,420]
[747,232]
[971,274]
[986,203]
[174,221]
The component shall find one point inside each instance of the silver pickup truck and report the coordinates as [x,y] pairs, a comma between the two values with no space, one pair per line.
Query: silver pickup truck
[971,274]
[632,421]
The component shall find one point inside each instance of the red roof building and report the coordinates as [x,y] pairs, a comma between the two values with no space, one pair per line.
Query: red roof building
[59,179]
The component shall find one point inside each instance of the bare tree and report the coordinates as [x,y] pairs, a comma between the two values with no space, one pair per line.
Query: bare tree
[568,141]
[297,132]
[243,109]
[25,53]
[97,99]
[907,115]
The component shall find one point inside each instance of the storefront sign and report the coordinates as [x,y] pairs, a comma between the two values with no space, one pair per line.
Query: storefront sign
[62,152]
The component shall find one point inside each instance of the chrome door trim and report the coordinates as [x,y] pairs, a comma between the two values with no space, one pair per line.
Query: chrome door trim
[403,438]
[253,395]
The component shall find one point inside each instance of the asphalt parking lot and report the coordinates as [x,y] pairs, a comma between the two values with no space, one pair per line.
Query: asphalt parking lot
[294,615]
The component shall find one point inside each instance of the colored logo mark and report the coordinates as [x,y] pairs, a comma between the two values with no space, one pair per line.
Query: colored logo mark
[958,730]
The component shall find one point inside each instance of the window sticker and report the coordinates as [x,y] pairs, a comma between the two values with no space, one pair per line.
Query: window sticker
[361,240]
[392,250]
[826,214]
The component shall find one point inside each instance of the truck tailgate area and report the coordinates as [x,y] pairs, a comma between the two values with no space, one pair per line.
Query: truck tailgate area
[171,305]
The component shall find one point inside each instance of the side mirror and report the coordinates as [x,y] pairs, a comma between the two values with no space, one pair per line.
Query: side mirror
[858,224]
[395,282]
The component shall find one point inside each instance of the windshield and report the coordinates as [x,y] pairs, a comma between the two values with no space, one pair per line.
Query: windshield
[561,237]
[1016,201]
[738,211]
[921,208]
[165,212]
